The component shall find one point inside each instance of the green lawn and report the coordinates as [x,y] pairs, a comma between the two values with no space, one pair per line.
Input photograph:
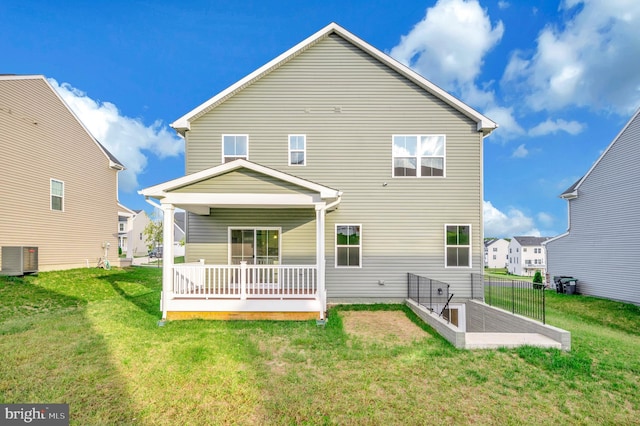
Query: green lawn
[502,273]
[90,338]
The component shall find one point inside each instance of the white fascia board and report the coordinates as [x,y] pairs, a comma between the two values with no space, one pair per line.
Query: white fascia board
[557,237]
[484,124]
[243,199]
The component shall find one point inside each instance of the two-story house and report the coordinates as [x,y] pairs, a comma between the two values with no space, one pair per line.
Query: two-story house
[326,175]
[496,253]
[527,255]
[59,185]
[601,246]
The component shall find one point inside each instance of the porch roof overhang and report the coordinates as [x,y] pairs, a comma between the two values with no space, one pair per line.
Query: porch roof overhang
[314,194]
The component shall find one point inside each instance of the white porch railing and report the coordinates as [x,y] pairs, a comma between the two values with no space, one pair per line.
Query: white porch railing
[197,280]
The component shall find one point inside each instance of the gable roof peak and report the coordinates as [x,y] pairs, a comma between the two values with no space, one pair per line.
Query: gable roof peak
[483,124]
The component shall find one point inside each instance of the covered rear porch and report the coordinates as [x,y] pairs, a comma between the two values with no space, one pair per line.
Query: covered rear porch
[251,282]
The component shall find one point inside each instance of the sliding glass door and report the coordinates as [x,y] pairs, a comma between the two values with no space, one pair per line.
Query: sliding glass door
[259,246]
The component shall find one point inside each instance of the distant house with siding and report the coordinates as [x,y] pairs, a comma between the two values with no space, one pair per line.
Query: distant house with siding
[601,246]
[496,253]
[59,184]
[527,255]
[324,176]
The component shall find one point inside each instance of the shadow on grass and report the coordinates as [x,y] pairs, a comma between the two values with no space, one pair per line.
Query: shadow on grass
[50,353]
[139,286]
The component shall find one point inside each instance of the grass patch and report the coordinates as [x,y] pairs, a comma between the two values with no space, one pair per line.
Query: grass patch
[90,338]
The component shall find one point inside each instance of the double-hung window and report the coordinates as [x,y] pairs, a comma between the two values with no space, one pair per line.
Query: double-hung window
[234,147]
[297,150]
[418,155]
[458,246]
[57,195]
[348,246]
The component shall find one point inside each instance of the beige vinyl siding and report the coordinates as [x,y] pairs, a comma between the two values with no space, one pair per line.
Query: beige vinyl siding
[40,140]
[209,235]
[239,181]
[349,105]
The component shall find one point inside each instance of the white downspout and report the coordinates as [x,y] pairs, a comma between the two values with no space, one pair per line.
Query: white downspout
[320,257]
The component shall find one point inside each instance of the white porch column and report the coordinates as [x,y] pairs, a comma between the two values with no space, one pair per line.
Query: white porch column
[320,256]
[167,255]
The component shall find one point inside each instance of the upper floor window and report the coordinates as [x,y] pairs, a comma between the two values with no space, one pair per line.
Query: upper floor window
[418,155]
[121,227]
[57,195]
[348,246]
[297,150]
[234,147]
[495,249]
[458,245]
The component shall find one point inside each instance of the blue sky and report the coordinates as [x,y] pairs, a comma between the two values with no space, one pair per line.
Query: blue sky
[560,77]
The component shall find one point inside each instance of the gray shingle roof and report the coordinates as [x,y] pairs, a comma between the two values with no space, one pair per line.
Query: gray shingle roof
[531,241]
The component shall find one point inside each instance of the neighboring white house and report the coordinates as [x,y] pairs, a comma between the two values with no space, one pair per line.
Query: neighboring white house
[527,255]
[131,225]
[496,253]
[601,247]
[125,220]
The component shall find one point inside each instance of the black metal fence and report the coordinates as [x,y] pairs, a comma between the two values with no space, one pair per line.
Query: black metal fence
[519,297]
[432,294]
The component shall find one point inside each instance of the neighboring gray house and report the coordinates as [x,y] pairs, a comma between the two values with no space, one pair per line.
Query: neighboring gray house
[327,174]
[496,253]
[526,256]
[601,247]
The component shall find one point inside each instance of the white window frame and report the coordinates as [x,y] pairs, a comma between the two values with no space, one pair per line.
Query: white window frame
[121,226]
[51,195]
[336,245]
[303,150]
[446,246]
[418,157]
[224,156]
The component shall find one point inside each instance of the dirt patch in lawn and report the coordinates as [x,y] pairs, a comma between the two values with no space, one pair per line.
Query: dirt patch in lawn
[391,327]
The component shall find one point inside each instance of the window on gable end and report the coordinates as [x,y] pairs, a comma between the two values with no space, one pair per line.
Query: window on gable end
[419,155]
[57,195]
[235,147]
[297,150]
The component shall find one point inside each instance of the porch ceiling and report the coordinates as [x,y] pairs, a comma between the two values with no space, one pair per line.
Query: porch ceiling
[200,203]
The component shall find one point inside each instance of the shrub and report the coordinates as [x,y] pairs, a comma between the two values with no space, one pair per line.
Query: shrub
[537,278]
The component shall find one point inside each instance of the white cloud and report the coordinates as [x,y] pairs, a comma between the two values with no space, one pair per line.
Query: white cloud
[448,45]
[590,60]
[520,152]
[509,127]
[514,222]
[126,138]
[503,4]
[545,219]
[550,126]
